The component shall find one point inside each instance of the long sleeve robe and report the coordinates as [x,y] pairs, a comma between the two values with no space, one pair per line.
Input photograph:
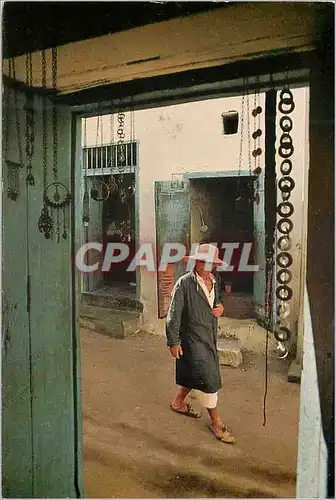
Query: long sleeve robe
[191,324]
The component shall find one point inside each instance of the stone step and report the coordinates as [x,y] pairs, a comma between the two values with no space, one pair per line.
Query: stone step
[111,302]
[113,323]
[229,352]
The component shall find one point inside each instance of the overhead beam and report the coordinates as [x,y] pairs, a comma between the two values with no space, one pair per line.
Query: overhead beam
[239,32]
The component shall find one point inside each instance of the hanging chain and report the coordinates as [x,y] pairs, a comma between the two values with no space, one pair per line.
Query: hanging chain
[54,116]
[44,122]
[240,157]
[86,198]
[30,124]
[285,210]
[45,222]
[248,128]
[56,195]
[95,195]
[13,181]
[113,186]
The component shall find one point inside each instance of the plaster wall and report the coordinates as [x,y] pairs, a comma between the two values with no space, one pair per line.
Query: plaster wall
[180,139]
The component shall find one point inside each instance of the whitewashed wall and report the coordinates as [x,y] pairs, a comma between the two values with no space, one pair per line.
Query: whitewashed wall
[189,138]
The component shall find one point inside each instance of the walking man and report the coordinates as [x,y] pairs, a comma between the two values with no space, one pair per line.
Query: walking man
[191,330]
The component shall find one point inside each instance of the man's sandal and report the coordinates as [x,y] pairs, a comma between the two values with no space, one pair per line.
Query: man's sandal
[224,435]
[188,411]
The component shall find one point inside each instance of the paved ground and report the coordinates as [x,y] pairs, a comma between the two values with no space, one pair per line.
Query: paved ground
[135,446]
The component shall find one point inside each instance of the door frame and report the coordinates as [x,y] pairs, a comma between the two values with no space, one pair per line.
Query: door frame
[224,174]
[79,191]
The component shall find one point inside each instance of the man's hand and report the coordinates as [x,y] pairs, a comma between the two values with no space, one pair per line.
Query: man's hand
[218,310]
[176,351]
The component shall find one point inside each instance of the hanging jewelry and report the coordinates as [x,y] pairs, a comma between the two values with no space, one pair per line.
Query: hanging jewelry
[13,186]
[112,185]
[86,197]
[251,189]
[285,210]
[256,136]
[45,222]
[57,196]
[240,158]
[104,188]
[30,124]
[121,154]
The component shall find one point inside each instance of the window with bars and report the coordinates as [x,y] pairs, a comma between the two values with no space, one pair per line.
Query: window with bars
[112,158]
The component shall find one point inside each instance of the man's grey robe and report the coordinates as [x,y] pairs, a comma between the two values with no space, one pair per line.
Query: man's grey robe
[191,324]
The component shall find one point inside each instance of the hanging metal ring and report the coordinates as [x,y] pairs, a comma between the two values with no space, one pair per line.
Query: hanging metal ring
[285,209]
[286,141]
[103,198]
[286,124]
[285,91]
[286,152]
[284,276]
[283,292]
[283,310]
[282,334]
[286,167]
[286,101]
[256,152]
[257,134]
[284,259]
[285,196]
[284,243]
[58,201]
[285,226]
[286,184]
[257,111]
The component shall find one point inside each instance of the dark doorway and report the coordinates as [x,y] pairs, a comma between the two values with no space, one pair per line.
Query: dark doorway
[222,212]
[118,224]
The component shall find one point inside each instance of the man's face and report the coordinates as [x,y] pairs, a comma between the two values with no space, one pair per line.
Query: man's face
[202,268]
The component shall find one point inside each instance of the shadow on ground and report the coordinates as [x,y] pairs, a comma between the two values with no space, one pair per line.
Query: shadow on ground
[136,447]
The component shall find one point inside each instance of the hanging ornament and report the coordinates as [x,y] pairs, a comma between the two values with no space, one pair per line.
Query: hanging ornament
[111,182]
[86,197]
[56,196]
[30,123]
[121,149]
[256,136]
[241,198]
[100,190]
[285,210]
[45,223]
[13,187]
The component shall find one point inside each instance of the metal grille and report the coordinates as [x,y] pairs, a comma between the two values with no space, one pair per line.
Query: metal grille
[115,158]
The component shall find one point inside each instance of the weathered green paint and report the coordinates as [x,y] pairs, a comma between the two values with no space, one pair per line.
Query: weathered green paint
[172,211]
[38,367]
[16,393]
[259,244]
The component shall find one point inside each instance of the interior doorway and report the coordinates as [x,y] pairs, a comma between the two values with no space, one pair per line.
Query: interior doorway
[109,179]
[118,226]
[222,212]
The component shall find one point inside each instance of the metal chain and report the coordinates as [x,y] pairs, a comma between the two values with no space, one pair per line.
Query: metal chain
[240,157]
[248,128]
[54,116]
[86,198]
[30,132]
[44,121]
[7,105]
[13,181]
[259,120]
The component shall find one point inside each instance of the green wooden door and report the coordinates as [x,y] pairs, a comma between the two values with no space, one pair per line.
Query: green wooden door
[259,246]
[40,435]
[172,213]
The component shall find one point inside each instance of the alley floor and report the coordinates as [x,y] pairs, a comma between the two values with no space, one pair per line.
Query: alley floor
[135,446]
